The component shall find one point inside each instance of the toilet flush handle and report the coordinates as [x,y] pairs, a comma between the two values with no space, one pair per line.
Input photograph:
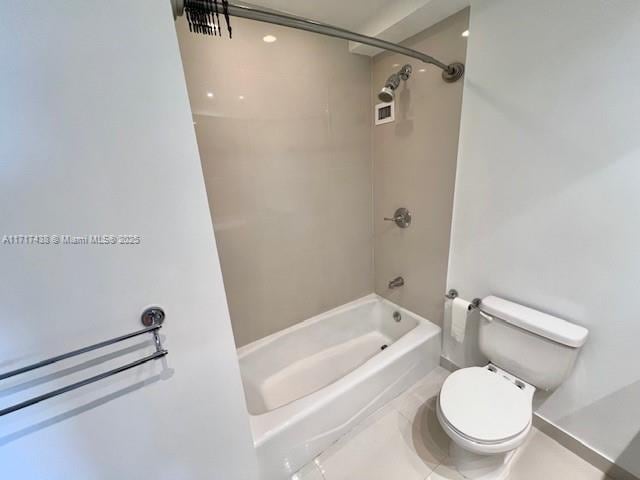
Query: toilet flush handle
[488,318]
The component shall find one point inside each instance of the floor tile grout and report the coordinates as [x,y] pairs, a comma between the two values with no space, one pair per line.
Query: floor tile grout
[410,394]
[319,470]
[410,420]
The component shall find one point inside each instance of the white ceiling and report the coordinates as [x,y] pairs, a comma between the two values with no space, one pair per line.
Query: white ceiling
[392,20]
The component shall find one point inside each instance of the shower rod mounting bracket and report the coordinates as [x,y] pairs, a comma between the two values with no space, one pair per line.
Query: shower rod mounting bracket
[178,8]
[453,73]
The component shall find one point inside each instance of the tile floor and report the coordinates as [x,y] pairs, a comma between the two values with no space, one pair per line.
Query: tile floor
[404,441]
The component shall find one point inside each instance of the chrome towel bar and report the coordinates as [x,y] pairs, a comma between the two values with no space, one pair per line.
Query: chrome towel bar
[152,318]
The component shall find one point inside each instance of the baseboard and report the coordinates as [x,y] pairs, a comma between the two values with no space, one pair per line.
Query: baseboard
[564,438]
[584,451]
[448,364]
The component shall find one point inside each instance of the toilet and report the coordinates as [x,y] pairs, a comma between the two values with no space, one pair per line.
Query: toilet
[487,411]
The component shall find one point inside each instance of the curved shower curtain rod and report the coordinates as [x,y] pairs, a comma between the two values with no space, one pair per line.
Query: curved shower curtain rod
[450,73]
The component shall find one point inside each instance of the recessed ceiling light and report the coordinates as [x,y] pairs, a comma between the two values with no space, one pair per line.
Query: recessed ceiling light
[422,70]
[395,65]
[465,33]
[269,38]
[210,94]
[241,97]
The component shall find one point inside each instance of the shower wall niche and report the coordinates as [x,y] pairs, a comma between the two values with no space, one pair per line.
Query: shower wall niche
[284,132]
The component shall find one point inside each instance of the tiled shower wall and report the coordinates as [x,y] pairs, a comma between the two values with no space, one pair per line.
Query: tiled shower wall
[414,167]
[284,132]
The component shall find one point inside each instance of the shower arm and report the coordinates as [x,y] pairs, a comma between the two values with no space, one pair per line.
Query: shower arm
[450,73]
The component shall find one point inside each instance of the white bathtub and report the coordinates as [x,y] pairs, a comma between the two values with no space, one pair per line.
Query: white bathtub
[308,385]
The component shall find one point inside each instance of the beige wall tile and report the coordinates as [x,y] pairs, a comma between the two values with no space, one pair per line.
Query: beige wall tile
[414,166]
[287,169]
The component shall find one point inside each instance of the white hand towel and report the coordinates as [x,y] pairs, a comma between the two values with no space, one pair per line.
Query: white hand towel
[459,312]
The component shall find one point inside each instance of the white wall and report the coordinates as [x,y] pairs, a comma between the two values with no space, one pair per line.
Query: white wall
[546,208]
[96,137]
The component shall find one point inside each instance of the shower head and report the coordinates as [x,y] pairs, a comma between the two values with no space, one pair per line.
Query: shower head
[387,94]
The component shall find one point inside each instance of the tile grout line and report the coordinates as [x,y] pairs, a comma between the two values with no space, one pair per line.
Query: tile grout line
[393,407]
[397,410]
[319,469]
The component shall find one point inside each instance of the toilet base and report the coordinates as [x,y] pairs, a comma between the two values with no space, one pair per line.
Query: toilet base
[480,467]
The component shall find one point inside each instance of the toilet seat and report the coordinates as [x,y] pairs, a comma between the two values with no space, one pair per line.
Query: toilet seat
[485,408]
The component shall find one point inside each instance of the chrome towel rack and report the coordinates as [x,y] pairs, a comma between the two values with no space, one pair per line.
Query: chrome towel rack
[152,319]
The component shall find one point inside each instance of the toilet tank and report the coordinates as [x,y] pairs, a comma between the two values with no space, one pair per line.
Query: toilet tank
[536,347]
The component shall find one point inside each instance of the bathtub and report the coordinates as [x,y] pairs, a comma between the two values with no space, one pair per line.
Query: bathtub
[308,385]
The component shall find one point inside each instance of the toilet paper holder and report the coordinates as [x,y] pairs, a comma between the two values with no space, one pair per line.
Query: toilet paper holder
[453,293]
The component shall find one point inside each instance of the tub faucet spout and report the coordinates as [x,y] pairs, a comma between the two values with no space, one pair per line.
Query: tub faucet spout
[396,282]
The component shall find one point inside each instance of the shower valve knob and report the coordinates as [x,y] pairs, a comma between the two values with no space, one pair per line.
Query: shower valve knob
[402,218]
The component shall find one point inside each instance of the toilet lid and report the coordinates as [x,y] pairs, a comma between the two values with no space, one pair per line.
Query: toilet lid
[484,406]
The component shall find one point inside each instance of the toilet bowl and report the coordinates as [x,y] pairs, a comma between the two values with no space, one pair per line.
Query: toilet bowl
[487,411]
[487,414]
